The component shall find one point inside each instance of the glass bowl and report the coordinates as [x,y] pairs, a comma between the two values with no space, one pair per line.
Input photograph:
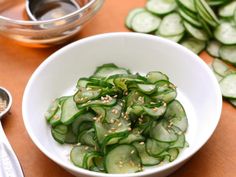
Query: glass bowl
[15,23]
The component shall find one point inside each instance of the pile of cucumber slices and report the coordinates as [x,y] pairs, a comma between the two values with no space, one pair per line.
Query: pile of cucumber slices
[197,25]
[119,122]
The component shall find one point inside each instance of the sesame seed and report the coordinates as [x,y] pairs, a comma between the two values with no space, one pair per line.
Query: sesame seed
[129,129]
[120,162]
[78,144]
[86,147]
[155,109]
[115,96]
[132,152]
[105,134]
[119,124]
[141,143]
[94,118]
[109,131]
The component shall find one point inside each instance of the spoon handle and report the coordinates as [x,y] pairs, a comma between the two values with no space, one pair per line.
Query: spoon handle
[9,164]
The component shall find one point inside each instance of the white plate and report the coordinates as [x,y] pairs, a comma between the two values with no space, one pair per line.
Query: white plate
[198,89]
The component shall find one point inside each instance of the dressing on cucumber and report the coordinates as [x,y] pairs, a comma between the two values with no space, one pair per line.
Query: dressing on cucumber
[120,122]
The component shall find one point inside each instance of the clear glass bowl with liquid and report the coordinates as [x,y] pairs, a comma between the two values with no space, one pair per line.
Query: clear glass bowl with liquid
[52,26]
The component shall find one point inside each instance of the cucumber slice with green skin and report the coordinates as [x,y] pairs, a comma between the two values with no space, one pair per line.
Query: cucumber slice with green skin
[145,22]
[100,112]
[123,159]
[225,33]
[206,9]
[228,53]
[205,26]
[176,116]
[84,95]
[195,45]
[199,34]
[166,96]
[132,137]
[82,83]
[87,137]
[132,13]
[107,101]
[187,17]
[172,154]
[114,112]
[69,111]
[154,147]
[147,88]
[217,2]
[228,86]
[227,10]
[221,68]
[52,109]
[110,69]
[204,14]
[188,4]
[78,153]
[56,118]
[155,76]
[146,159]
[175,38]
[156,110]
[161,7]
[63,134]
[59,133]
[161,133]
[171,25]
[233,102]
[235,16]
[86,117]
[88,159]
[99,163]
[213,48]
[179,143]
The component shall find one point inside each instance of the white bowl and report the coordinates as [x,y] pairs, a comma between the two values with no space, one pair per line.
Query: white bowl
[198,89]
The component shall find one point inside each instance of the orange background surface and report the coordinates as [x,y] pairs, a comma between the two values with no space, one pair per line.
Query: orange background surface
[216,159]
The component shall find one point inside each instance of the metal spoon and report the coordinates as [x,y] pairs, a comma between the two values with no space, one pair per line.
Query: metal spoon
[9,164]
[49,9]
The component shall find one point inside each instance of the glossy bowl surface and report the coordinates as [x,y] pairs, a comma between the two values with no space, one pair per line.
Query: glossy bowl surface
[197,88]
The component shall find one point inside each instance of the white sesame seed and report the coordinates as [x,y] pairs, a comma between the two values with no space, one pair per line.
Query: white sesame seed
[141,143]
[132,152]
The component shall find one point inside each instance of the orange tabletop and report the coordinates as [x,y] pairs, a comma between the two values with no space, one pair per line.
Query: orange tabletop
[216,159]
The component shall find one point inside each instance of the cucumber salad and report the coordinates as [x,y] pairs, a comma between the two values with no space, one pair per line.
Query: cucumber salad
[120,122]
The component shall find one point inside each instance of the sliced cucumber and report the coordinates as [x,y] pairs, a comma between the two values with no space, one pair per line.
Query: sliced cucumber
[145,22]
[161,133]
[69,111]
[86,117]
[175,38]
[207,13]
[56,118]
[146,159]
[78,153]
[155,111]
[154,147]
[82,83]
[176,116]
[220,67]
[52,109]
[213,48]
[123,159]
[107,102]
[147,88]
[199,34]
[179,143]
[132,137]
[171,25]
[84,95]
[107,70]
[233,102]
[154,76]
[59,133]
[195,45]
[228,86]
[188,4]
[228,53]
[161,7]
[225,33]
[190,18]
[132,13]
[227,10]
